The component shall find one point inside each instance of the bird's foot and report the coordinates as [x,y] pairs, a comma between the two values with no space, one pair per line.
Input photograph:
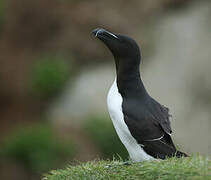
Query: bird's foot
[126,163]
[157,160]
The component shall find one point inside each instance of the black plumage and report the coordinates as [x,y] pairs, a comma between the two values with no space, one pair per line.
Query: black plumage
[147,120]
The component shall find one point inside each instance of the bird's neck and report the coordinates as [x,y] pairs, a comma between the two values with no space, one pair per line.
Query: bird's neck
[129,80]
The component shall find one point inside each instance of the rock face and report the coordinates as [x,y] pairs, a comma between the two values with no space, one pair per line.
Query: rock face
[177,74]
[85,96]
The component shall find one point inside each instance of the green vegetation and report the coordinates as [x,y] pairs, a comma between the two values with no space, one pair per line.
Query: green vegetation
[49,76]
[192,168]
[105,138]
[37,149]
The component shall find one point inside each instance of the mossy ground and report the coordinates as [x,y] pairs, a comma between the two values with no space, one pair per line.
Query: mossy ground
[192,168]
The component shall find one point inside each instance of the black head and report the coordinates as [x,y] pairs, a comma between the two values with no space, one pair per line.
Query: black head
[122,47]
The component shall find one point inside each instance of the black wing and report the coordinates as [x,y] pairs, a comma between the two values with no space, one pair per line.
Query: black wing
[160,115]
[149,124]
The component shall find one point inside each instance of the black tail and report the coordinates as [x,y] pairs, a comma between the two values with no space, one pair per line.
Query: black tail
[180,154]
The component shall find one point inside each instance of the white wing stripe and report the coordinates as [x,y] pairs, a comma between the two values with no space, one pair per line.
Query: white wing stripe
[156,139]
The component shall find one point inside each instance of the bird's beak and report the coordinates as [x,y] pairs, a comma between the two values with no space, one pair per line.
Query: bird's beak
[102,33]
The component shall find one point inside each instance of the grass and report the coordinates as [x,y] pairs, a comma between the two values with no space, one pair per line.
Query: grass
[193,168]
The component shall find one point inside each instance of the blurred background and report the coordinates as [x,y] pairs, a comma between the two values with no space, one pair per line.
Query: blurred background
[54,77]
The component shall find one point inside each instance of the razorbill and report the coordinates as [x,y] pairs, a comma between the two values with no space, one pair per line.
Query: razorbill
[141,123]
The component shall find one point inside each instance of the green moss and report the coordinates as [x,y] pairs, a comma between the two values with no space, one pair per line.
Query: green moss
[192,168]
[49,75]
[102,133]
[37,148]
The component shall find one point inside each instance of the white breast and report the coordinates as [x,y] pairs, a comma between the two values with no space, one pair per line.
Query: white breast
[114,102]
